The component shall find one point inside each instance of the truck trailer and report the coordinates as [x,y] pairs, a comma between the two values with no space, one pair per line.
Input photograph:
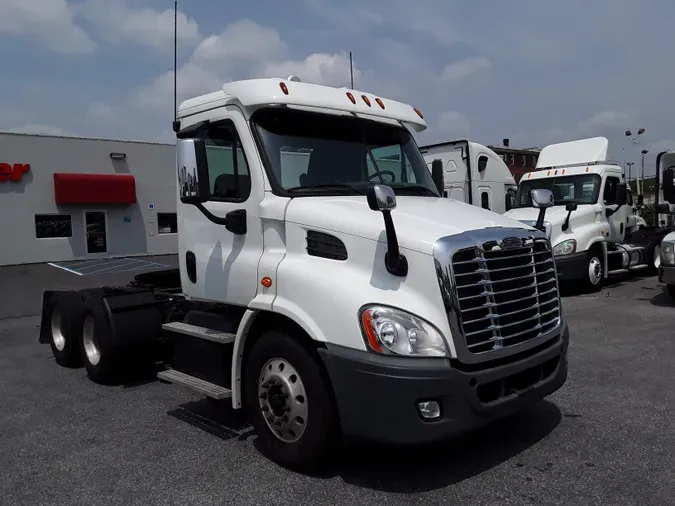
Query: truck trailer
[473,173]
[344,300]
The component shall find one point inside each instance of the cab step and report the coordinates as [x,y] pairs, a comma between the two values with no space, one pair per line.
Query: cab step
[638,267]
[187,329]
[198,385]
[617,271]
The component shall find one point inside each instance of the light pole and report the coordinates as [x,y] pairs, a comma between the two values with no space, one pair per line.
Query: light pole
[630,166]
[642,171]
[633,139]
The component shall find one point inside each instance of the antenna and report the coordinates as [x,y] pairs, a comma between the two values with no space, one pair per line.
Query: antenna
[176,126]
[351,70]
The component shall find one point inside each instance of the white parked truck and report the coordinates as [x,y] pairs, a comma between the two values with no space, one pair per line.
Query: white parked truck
[473,173]
[341,300]
[665,191]
[592,225]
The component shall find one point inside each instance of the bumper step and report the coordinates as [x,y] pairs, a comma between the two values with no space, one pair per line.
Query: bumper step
[198,385]
[199,332]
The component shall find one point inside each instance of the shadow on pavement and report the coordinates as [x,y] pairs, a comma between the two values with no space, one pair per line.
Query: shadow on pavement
[420,469]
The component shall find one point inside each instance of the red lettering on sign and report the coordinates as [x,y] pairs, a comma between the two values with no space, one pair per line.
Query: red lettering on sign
[13,172]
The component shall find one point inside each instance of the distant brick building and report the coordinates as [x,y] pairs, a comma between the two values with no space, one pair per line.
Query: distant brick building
[519,161]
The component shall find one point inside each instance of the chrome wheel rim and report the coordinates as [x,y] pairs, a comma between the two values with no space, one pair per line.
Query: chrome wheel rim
[283,400]
[89,341]
[58,336]
[594,270]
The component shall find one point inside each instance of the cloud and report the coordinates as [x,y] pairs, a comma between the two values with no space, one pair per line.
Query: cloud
[606,120]
[465,69]
[317,68]
[450,125]
[48,22]
[116,22]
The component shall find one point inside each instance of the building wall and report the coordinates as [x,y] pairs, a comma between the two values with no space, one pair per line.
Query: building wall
[131,229]
[519,161]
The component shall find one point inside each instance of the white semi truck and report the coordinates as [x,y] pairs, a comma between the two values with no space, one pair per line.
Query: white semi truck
[665,191]
[592,225]
[343,300]
[473,173]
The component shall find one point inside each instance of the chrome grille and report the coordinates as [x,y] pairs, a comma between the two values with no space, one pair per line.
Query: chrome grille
[506,292]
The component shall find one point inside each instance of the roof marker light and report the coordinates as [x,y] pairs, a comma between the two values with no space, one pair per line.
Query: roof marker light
[284,88]
[380,103]
[366,100]
[419,113]
[351,98]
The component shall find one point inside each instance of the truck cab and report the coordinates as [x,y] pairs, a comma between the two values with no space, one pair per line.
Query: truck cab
[592,225]
[324,285]
[473,173]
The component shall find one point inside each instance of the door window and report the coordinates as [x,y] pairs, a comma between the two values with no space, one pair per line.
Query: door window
[229,176]
[609,195]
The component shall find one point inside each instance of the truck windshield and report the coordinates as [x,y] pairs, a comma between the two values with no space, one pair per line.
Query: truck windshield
[308,153]
[581,189]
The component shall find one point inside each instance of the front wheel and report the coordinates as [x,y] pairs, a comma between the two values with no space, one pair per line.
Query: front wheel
[671,290]
[594,275]
[289,402]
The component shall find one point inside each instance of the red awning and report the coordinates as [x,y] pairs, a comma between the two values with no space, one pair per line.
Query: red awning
[94,188]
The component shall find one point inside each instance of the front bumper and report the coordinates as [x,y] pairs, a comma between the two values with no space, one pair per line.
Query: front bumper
[377,395]
[571,267]
[667,274]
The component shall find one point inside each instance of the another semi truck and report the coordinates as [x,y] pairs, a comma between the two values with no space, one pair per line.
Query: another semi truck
[592,225]
[473,173]
[665,199]
[346,299]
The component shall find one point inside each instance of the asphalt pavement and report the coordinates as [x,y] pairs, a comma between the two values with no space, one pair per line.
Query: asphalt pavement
[607,437]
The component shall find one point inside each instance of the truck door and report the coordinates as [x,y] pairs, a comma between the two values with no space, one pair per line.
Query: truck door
[226,263]
[617,221]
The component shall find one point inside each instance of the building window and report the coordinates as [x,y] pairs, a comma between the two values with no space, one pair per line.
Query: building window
[167,223]
[524,157]
[534,161]
[49,226]
[512,159]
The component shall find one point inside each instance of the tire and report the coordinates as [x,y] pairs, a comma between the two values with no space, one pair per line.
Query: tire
[593,279]
[654,257]
[304,441]
[101,359]
[671,291]
[65,318]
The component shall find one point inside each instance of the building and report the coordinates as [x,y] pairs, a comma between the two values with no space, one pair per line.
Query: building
[519,161]
[67,198]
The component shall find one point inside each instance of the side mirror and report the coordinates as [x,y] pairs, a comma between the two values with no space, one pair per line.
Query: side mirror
[482,163]
[621,194]
[382,198]
[542,198]
[571,206]
[437,175]
[193,171]
[668,185]
[640,200]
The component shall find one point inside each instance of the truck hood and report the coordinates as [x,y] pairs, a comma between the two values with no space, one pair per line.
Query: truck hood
[555,216]
[419,221]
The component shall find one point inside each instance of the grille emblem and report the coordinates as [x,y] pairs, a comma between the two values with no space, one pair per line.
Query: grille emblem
[510,243]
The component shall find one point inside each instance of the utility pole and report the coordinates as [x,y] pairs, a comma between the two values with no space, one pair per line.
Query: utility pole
[642,170]
[351,71]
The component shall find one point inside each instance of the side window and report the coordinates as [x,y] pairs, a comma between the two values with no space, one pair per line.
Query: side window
[229,176]
[485,200]
[609,195]
[629,199]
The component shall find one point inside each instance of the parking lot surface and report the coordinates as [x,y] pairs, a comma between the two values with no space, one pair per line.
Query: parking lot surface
[607,437]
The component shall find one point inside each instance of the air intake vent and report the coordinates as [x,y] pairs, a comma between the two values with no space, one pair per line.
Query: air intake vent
[325,246]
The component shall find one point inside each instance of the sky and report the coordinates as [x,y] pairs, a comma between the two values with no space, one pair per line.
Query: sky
[534,71]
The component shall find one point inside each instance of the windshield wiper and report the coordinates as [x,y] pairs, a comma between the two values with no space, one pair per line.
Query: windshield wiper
[325,186]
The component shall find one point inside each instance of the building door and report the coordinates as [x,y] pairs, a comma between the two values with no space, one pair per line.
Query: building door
[95,231]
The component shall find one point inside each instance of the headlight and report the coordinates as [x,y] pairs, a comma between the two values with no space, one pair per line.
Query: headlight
[394,331]
[668,253]
[565,248]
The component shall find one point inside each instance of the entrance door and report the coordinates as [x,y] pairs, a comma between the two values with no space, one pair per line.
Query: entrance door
[95,231]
